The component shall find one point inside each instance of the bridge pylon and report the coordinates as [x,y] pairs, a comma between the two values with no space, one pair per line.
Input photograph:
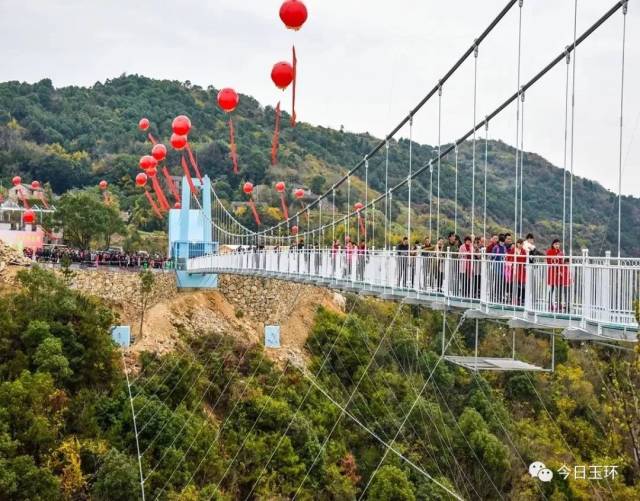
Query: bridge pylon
[191,235]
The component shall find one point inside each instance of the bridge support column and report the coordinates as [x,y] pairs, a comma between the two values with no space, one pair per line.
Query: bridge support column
[190,235]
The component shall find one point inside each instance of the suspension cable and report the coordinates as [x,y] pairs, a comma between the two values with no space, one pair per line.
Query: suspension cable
[624,38]
[573,122]
[564,162]
[409,180]
[455,205]
[439,159]
[473,161]
[486,166]
[521,160]
[515,201]
[430,201]
[386,199]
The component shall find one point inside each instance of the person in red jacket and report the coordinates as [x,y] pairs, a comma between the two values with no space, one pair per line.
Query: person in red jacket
[558,276]
[517,255]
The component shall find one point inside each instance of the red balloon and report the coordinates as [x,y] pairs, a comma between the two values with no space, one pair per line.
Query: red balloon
[358,206]
[147,161]
[144,124]
[181,125]
[141,179]
[294,230]
[178,142]
[228,99]
[299,193]
[293,14]
[103,185]
[152,171]
[247,188]
[280,187]
[29,217]
[35,185]
[177,205]
[282,74]
[159,152]
[16,180]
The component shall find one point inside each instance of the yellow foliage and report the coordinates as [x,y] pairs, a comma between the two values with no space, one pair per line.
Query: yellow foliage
[66,460]
[59,151]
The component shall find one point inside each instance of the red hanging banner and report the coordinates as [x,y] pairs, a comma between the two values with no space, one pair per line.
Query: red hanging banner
[153,204]
[232,145]
[363,230]
[194,164]
[275,143]
[185,168]
[293,88]
[255,212]
[171,184]
[164,204]
[283,202]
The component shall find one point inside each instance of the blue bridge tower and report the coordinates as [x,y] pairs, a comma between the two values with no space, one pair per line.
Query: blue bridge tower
[191,235]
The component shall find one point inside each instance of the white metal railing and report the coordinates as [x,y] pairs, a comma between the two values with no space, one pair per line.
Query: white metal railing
[579,289]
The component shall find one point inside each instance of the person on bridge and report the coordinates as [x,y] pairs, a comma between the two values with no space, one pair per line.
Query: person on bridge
[361,252]
[517,255]
[403,257]
[492,243]
[466,267]
[349,249]
[558,277]
[335,253]
[453,242]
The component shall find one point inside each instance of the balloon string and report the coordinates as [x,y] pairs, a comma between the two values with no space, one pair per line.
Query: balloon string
[185,168]
[171,184]
[293,93]
[233,147]
[283,202]
[153,204]
[152,139]
[164,204]
[194,163]
[276,137]
[255,212]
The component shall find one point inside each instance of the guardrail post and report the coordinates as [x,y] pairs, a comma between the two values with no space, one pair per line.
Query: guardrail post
[447,273]
[604,291]
[586,289]
[484,275]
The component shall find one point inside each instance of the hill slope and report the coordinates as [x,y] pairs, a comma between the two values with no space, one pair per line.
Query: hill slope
[74,136]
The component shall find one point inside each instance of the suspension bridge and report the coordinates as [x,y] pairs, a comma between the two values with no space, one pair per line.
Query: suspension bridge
[567,292]
[586,297]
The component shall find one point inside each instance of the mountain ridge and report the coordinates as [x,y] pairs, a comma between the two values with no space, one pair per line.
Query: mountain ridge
[74,136]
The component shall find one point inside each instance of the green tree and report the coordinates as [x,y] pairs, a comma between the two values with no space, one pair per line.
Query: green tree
[391,483]
[117,479]
[84,218]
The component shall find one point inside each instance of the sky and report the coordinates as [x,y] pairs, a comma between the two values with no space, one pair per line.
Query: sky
[362,64]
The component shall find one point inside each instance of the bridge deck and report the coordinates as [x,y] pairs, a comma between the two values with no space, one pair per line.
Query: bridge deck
[592,297]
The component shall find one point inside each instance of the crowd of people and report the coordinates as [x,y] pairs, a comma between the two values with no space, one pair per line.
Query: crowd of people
[506,273]
[92,258]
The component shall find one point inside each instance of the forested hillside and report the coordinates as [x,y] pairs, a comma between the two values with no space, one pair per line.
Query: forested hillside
[74,136]
[218,420]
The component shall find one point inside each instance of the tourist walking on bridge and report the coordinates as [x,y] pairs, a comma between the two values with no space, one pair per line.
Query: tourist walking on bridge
[403,257]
